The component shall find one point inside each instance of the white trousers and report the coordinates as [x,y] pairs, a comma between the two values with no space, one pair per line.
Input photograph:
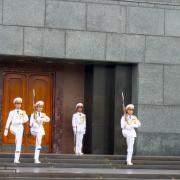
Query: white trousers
[79,142]
[18,133]
[38,136]
[130,147]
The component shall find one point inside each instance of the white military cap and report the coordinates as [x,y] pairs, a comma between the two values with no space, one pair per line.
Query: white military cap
[129,106]
[17,100]
[39,103]
[79,105]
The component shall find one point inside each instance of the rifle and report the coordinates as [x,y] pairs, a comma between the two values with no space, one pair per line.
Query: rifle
[34,95]
[34,110]
[124,108]
[75,140]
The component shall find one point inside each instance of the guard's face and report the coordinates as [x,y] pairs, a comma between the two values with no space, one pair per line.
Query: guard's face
[39,108]
[130,111]
[79,109]
[18,105]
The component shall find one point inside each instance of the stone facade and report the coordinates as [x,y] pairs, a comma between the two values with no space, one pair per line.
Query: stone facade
[142,32]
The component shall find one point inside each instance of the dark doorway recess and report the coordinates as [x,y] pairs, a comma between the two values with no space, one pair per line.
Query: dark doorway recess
[103,106]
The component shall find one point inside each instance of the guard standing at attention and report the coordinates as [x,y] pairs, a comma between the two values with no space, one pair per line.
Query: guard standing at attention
[79,128]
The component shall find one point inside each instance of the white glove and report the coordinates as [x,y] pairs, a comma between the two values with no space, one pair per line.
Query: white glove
[5,132]
[43,119]
[135,125]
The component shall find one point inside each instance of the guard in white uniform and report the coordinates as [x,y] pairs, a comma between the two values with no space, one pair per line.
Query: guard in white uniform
[79,128]
[15,121]
[37,129]
[128,124]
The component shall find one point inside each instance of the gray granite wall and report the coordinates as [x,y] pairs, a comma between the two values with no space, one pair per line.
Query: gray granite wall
[144,32]
[159,107]
[101,30]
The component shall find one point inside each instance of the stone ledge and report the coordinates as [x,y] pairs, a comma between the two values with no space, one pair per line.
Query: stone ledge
[131,2]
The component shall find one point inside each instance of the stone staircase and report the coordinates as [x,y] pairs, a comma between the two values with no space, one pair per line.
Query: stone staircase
[109,167]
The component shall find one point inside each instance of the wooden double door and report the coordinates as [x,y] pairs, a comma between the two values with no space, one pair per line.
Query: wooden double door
[22,85]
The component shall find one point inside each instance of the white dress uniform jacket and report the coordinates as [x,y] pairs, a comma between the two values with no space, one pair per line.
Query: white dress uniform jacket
[36,122]
[128,128]
[79,123]
[15,120]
